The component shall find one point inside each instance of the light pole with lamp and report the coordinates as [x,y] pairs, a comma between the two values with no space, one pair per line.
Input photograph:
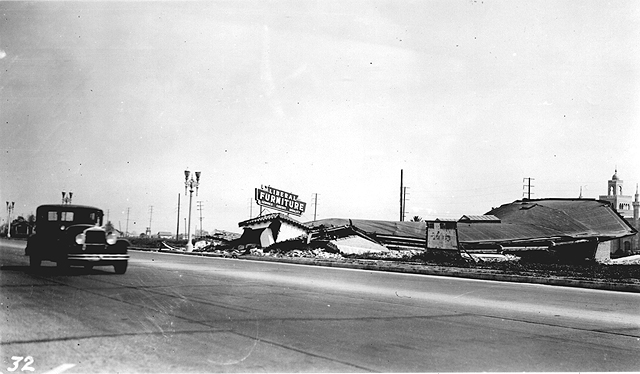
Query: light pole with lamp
[190,184]
[66,199]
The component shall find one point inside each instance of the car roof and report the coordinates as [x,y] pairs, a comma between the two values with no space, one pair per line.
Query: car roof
[67,206]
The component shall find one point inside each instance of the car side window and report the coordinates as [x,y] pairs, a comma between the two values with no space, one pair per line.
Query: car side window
[52,216]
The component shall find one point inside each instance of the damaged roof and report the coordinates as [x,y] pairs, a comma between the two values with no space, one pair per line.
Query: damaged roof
[393,234]
[274,216]
[521,222]
[548,219]
[484,218]
[390,228]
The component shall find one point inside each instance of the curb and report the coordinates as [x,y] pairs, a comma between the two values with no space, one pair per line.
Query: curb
[413,268]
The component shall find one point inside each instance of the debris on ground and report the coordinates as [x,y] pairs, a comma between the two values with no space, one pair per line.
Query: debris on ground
[628,260]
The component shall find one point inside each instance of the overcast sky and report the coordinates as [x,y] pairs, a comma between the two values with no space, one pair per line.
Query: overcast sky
[113,101]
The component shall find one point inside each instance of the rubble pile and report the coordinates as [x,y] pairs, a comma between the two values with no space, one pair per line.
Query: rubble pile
[490,257]
[322,252]
[628,260]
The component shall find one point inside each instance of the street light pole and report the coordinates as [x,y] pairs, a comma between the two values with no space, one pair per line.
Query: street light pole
[191,185]
[66,199]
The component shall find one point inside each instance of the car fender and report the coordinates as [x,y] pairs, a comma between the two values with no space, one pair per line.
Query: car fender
[34,245]
[122,245]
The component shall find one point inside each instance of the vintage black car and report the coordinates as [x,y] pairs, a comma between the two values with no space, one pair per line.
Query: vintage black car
[73,235]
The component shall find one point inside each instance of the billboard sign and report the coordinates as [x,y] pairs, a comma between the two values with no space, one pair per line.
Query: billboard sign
[283,201]
[442,235]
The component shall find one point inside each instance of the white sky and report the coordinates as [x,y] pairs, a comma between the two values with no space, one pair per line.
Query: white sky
[114,100]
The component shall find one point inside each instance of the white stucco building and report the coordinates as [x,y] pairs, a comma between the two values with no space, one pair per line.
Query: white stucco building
[272,228]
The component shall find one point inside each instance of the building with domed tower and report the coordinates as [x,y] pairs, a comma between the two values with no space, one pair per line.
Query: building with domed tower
[629,208]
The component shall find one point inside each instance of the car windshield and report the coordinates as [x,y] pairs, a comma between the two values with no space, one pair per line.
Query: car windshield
[66,216]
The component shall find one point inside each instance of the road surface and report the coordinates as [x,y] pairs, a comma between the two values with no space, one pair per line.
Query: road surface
[176,313]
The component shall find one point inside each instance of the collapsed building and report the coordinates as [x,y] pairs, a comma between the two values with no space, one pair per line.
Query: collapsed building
[571,229]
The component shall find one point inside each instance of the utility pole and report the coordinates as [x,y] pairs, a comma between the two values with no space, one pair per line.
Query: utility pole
[315,206]
[527,186]
[404,203]
[178,222]
[126,231]
[150,215]
[200,210]
[401,196]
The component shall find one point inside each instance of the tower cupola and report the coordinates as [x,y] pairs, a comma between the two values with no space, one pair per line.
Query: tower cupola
[615,185]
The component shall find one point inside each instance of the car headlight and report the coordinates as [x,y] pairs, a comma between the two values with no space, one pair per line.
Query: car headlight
[112,238]
[80,239]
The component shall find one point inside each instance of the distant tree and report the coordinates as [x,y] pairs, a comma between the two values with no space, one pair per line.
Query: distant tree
[416,219]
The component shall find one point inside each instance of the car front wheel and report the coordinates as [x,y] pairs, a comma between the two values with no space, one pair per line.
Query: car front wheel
[120,268]
[63,264]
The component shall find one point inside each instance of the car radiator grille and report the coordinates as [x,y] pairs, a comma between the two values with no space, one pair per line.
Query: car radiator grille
[95,242]
[95,237]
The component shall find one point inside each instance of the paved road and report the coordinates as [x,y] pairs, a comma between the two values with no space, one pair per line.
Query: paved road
[172,313]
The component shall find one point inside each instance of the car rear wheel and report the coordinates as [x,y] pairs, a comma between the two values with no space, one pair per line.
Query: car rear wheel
[120,268]
[34,261]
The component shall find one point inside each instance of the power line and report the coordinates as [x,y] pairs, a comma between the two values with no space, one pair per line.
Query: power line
[493,187]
